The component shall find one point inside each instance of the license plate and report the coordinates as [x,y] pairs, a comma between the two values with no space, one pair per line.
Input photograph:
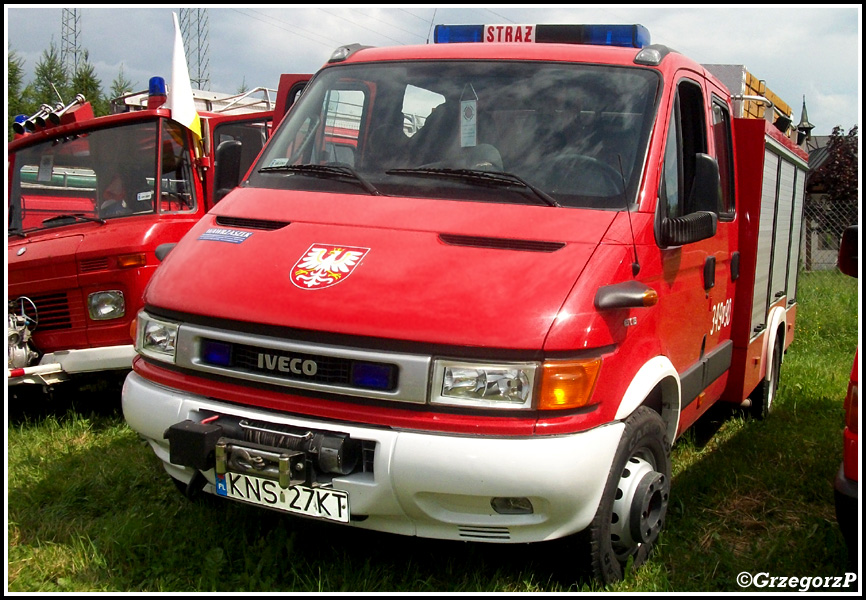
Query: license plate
[322,503]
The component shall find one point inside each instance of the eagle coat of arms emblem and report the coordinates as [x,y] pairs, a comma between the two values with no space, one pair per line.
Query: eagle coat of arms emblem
[324,265]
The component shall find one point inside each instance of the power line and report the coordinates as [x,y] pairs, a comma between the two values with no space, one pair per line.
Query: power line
[361,26]
[269,21]
[392,25]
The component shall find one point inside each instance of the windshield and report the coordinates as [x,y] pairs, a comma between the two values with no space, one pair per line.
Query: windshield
[100,174]
[495,131]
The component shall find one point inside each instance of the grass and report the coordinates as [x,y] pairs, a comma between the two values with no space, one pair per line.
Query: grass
[90,508]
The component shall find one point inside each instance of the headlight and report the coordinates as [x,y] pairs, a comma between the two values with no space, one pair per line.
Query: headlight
[555,385]
[507,386]
[156,338]
[103,306]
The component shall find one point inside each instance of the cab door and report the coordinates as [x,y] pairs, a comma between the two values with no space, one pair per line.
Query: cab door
[697,239]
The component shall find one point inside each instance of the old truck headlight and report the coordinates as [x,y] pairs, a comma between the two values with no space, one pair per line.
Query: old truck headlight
[507,386]
[103,306]
[156,338]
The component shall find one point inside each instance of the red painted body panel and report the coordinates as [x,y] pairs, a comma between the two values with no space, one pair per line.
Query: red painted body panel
[409,286]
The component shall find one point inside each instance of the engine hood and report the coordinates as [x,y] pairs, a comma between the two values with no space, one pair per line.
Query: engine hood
[442,272]
[43,257]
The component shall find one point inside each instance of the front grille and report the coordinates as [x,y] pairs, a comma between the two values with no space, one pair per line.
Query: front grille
[484,533]
[52,311]
[329,370]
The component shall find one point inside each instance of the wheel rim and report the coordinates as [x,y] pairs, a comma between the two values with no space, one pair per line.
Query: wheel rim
[639,506]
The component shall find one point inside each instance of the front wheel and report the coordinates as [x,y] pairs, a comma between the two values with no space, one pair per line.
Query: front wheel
[635,500]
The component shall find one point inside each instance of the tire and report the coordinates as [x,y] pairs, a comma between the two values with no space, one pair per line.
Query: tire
[763,397]
[635,500]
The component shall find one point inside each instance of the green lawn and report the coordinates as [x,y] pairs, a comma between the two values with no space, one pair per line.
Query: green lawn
[90,508]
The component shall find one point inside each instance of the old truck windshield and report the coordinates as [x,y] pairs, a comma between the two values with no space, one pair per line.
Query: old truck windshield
[559,134]
[99,175]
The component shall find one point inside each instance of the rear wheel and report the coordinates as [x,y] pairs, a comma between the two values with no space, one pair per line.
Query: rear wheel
[764,395]
[635,500]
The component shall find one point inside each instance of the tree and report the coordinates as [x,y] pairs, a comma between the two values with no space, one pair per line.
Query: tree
[121,85]
[17,105]
[836,181]
[51,82]
[85,82]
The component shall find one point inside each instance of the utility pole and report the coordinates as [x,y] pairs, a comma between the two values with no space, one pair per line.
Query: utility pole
[194,29]
[69,47]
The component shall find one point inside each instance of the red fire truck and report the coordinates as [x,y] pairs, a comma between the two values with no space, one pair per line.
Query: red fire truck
[91,199]
[492,326]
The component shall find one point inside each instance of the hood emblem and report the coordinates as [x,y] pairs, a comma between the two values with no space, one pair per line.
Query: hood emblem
[21,250]
[324,265]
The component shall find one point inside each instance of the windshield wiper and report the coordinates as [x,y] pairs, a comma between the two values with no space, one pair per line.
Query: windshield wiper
[325,171]
[76,217]
[486,177]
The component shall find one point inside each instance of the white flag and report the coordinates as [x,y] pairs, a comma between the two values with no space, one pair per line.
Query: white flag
[180,99]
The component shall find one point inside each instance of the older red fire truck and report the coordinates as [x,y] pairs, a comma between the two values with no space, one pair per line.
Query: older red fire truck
[489,313]
[91,199]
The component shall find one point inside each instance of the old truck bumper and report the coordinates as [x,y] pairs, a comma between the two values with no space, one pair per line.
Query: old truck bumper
[59,366]
[425,484]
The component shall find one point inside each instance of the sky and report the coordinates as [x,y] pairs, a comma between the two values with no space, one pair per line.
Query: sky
[801,51]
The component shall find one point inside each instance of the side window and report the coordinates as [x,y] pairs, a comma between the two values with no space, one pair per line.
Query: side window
[251,134]
[724,155]
[177,186]
[687,137]
[672,176]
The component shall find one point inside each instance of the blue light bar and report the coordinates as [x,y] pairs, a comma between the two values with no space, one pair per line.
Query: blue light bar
[452,34]
[629,36]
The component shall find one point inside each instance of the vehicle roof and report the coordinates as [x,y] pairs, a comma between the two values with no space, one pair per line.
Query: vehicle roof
[577,53]
[482,51]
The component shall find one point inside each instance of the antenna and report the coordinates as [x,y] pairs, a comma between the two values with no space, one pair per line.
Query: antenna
[635,266]
[432,20]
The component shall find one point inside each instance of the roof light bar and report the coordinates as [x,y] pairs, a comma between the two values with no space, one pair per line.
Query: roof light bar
[630,36]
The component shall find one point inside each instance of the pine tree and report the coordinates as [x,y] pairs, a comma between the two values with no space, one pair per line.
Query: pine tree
[121,85]
[85,82]
[15,92]
[51,81]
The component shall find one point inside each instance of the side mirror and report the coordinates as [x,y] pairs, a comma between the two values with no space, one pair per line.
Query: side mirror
[162,251]
[848,251]
[706,191]
[689,228]
[701,220]
[227,168]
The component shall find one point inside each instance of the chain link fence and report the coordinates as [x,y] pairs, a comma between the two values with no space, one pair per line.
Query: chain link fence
[823,224]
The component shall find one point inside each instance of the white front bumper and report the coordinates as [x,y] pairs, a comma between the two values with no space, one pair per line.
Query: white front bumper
[427,484]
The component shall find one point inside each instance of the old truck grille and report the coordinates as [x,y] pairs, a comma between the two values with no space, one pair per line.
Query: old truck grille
[52,311]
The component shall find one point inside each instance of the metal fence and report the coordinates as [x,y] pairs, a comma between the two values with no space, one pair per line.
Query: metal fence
[823,224]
